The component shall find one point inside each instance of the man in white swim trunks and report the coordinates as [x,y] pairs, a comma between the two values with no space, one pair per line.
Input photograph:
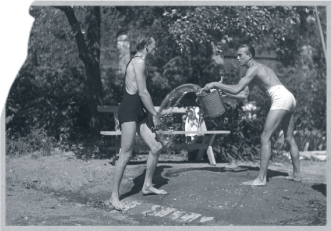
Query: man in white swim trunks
[281,111]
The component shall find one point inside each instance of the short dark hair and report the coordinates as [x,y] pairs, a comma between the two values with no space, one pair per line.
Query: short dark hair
[142,40]
[250,49]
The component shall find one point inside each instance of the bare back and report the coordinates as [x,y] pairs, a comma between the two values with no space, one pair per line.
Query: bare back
[265,77]
[130,78]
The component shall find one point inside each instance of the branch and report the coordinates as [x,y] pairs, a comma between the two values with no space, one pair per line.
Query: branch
[77,30]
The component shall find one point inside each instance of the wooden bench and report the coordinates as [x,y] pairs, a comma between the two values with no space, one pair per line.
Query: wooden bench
[208,136]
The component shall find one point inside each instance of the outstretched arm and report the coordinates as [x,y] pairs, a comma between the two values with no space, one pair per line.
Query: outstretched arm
[234,89]
[243,95]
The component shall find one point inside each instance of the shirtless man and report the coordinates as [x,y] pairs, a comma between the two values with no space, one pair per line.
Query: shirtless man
[132,115]
[281,111]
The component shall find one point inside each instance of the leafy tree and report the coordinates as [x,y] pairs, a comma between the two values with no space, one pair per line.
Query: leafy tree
[89,53]
[304,68]
[219,24]
[303,35]
[48,91]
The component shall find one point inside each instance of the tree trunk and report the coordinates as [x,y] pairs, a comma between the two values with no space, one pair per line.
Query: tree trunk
[89,53]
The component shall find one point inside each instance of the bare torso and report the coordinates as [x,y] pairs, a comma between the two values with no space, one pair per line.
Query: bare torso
[130,78]
[265,77]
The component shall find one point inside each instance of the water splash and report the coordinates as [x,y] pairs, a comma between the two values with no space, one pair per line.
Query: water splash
[174,97]
[165,134]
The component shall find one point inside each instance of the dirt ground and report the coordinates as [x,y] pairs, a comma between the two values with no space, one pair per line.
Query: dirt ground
[61,190]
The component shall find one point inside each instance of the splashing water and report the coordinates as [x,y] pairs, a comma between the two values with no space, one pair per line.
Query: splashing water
[173,98]
[165,134]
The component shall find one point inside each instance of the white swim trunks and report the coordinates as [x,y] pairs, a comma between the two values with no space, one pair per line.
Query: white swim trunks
[281,98]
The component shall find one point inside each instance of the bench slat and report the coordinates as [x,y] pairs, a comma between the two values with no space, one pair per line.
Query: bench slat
[114,109]
[113,133]
[108,108]
[206,144]
[175,146]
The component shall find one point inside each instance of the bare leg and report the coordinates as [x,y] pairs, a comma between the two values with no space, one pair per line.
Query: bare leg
[288,128]
[273,120]
[153,156]
[127,142]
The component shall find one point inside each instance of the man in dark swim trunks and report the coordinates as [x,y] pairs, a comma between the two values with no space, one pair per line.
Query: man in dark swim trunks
[280,113]
[133,111]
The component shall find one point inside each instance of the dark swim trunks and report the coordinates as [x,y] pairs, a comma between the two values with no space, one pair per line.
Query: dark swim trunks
[131,108]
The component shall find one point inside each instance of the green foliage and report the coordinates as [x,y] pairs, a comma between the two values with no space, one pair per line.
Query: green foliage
[303,39]
[219,24]
[309,88]
[37,140]
[311,140]
[244,140]
[50,102]
[51,42]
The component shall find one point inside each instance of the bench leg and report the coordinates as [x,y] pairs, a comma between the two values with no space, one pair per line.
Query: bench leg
[194,140]
[118,145]
[210,152]
[202,150]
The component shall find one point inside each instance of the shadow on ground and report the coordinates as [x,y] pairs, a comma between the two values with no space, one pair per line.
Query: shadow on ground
[158,181]
[320,188]
[270,174]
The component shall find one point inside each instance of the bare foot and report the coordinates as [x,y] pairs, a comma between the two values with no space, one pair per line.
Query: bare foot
[152,191]
[256,182]
[292,178]
[115,202]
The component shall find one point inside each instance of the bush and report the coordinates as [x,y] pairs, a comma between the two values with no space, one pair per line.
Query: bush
[308,86]
[310,140]
[44,99]
[37,140]
[243,142]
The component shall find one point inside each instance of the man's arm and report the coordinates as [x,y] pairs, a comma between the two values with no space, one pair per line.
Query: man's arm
[235,89]
[243,95]
[139,69]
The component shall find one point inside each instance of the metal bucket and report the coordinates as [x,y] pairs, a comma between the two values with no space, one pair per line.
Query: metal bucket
[211,104]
